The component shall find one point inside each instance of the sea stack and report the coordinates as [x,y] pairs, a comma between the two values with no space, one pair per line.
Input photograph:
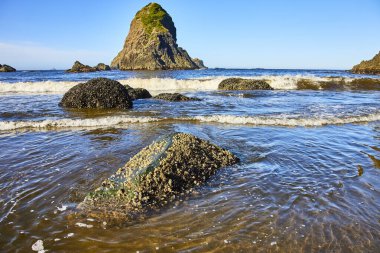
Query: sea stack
[371,67]
[152,44]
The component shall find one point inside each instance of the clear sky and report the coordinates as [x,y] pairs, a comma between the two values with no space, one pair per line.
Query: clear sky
[328,34]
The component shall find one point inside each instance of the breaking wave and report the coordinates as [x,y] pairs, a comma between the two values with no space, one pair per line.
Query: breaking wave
[120,121]
[156,85]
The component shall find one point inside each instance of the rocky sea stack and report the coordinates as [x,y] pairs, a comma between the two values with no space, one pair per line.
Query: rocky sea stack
[169,167]
[6,68]
[78,67]
[371,67]
[152,44]
[100,93]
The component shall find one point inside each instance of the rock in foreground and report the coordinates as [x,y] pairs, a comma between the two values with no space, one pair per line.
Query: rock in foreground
[175,97]
[167,168]
[152,43]
[97,93]
[243,84]
[6,68]
[371,67]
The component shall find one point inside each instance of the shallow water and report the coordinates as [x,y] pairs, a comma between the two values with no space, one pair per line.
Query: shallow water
[307,181]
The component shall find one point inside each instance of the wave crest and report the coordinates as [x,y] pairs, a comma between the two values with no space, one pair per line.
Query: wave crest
[156,85]
[120,121]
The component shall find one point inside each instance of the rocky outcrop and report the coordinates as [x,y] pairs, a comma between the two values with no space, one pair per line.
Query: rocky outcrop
[371,67]
[6,68]
[199,63]
[169,167]
[102,67]
[81,68]
[243,84]
[97,93]
[175,97]
[152,43]
[137,93]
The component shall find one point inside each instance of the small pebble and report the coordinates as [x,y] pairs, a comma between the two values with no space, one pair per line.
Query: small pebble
[38,246]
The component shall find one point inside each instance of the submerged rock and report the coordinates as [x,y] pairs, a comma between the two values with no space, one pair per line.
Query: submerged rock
[6,68]
[175,97]
[165,169]
[371,67]
[79,68]
[152,43]
[97,93]
[243,84]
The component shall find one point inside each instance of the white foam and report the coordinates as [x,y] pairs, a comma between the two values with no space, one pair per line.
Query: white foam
[286,121]
[120,121]
[47,87]
[170,84]
[155,85]
[74,123]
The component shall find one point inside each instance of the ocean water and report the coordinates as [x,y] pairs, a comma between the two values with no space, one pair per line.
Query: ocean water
[308,180]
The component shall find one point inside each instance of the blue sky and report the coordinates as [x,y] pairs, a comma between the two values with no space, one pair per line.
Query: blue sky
[328,34]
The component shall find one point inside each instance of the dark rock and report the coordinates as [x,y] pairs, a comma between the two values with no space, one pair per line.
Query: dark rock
[6,68]
[102,67]
[97,93]
[243,84]
[175,97]
[79,68]
[371,67]
[152,43]
[139,93]
[167,168]
[199,63]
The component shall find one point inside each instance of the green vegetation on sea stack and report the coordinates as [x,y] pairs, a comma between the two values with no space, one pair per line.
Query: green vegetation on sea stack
[155,18]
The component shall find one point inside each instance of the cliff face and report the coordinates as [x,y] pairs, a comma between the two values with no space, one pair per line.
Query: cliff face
[371,67]
[152,43]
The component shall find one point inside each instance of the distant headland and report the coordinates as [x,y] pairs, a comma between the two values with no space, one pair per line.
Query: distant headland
[371,67]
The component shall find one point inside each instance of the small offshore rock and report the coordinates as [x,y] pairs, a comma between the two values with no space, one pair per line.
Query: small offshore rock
[6,68]
[80,68]
[100,93]
[199,63]
[243,84]
[167,168]
[102,67]
[175,97]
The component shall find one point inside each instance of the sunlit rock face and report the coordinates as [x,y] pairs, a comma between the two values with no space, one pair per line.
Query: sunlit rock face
[152,44]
